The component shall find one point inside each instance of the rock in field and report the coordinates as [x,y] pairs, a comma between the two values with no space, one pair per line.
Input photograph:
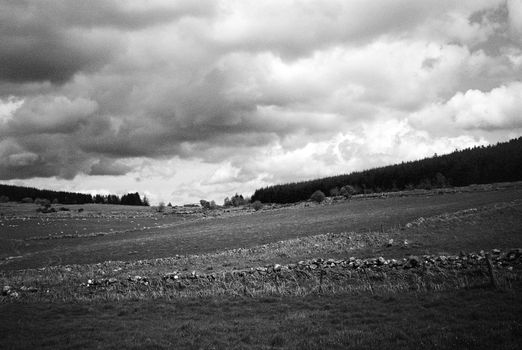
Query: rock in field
[413,261]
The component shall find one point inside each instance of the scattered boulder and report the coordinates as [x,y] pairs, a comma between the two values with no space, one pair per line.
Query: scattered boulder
[413,261]
[10,292]
[139,279]
[6,290]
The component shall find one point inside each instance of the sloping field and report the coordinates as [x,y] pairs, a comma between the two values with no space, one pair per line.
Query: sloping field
[101,233]
[286,278]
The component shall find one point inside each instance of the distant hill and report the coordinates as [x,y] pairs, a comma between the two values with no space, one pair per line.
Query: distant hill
[479,165]
[20,193]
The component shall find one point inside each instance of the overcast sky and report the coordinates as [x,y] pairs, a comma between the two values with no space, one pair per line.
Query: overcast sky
[189,100]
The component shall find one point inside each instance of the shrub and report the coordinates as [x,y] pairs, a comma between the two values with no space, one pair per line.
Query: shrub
[318,196]
[208,205]
[334,192]
[236,201]
[27,200]
[4,199]
[42,201]
[257,205]
[347,191]
[161,207]
[46,210]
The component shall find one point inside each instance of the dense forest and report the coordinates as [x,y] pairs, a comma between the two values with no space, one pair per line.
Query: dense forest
[29,194]
[479,165]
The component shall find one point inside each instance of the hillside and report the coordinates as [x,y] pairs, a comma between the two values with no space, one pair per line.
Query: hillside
[479,165]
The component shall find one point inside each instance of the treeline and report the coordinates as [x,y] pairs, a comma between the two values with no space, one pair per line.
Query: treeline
[30,194]
[479,165]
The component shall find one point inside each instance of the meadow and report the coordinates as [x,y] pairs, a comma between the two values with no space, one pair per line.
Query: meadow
[396,271]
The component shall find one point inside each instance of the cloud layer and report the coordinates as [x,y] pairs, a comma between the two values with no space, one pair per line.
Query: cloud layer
[241,94]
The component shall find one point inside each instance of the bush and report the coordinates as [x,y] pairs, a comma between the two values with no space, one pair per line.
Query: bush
[334,192]
[4,199]
[318,196]
[42,201]
[347,191]
[161,207]
[27,200]
[208,205]
[46,210]
[236,201]
[257,205]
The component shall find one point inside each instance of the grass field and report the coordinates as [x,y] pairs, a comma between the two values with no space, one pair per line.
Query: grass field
[128,234]
[464,319]
[96,278]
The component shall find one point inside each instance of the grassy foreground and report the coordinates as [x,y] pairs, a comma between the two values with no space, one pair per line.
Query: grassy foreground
[479,318]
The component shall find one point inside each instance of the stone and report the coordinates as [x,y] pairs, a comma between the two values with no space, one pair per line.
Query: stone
[413,261]
[514,254]
[277,267]
[495,251]
[390,242]
[6,290]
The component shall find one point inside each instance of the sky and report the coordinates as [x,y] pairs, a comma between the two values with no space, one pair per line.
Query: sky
[187,100]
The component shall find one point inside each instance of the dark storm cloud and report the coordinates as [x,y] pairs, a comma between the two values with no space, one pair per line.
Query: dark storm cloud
[52,40]
[40,155]
[108,167]
[49,115]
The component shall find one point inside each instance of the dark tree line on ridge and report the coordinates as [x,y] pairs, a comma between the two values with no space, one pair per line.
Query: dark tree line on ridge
[478,165]
[20,193]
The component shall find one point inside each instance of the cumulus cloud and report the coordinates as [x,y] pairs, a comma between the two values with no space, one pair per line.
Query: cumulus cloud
[499,108]
[246,93]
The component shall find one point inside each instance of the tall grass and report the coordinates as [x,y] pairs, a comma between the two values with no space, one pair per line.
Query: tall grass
[284,283]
